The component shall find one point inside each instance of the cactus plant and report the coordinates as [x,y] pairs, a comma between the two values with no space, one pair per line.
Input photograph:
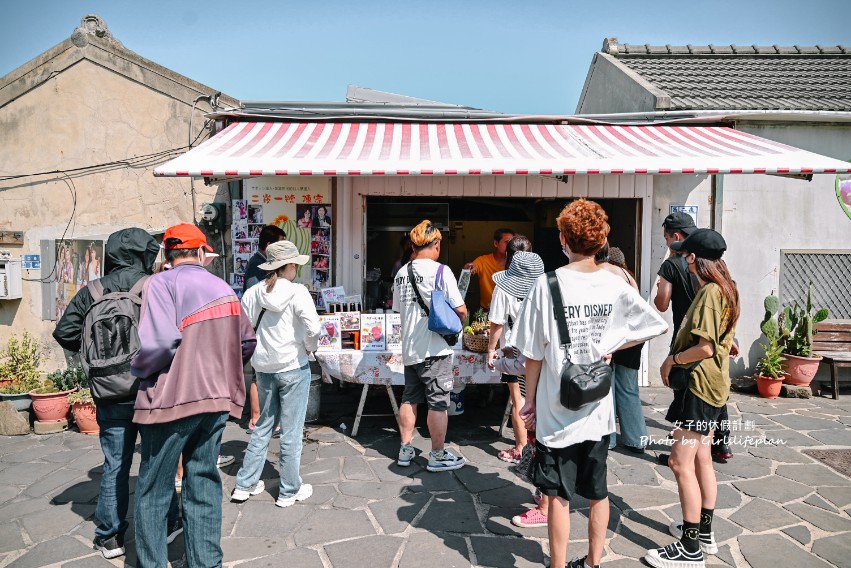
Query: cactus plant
[796,326]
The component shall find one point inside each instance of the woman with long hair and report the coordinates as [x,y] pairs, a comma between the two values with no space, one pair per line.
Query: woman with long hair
[700,352]
[287,327]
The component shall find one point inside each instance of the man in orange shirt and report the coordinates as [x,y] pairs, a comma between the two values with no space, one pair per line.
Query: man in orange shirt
[487,265]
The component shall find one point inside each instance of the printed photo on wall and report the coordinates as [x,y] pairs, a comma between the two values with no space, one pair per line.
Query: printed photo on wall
[240,209]
[254,232]
[240,263]
[319,279]
[237,281]
[319,247]
[321,235]
[320,262]
[240,229]
[322,216]
[255,214]
[243,247]
[304,214]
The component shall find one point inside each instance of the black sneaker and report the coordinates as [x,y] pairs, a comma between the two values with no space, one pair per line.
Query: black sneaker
[579,563]
[174,531]
[674,555]
[111,547]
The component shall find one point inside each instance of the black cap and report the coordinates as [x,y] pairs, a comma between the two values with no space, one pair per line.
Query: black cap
[704,243]
[679,221]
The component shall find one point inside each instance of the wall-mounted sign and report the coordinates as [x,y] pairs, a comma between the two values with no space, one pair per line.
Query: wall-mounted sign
[11,237]
[30,261]
[690,209]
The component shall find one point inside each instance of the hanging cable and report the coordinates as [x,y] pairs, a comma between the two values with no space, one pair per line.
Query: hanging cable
[73,189]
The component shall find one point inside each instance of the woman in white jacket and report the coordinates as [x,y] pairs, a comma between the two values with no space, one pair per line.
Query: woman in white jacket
[287,328]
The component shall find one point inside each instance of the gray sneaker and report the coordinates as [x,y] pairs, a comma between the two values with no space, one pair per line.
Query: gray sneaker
[406,454]
[444,460]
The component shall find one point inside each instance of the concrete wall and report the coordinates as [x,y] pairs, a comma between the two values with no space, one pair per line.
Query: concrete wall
[667,191]
[82,116]
[764,214]
[611,87]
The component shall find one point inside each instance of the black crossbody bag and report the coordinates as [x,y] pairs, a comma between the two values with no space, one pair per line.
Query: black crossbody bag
[580,384]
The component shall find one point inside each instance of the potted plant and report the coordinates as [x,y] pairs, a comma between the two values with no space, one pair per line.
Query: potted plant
[796,337]
[50,399]
[84,410]
[769,369]
[19,370]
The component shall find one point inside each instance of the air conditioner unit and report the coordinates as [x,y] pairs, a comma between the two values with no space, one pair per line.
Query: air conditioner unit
[10,279]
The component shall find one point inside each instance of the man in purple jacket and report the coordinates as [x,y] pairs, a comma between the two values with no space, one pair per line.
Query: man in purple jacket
[195,340]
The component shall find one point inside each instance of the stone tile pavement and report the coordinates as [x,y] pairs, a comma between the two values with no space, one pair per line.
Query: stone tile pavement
[776,506]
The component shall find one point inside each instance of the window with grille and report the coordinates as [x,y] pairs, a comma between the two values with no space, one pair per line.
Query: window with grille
[828,270]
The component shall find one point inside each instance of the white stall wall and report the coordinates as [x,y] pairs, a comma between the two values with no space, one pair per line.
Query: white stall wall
[764,214]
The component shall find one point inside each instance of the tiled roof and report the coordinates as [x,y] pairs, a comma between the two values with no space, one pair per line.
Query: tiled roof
[733,77]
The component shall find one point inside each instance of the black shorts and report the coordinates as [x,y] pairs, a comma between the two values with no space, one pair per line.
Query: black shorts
[690,412]
[579,469]
[430,381]
[509,378]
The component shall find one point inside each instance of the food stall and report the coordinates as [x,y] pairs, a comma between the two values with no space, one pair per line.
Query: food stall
[469,172]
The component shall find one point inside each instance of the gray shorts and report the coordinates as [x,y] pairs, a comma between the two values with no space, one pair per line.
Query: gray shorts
[429,381]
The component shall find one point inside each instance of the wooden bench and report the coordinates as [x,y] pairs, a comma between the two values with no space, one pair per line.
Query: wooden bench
[833,343]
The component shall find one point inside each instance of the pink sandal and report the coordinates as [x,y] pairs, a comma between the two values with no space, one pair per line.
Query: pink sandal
[511,455]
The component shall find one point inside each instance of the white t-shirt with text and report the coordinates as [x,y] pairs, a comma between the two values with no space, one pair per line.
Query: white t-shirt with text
[603,313]
[418,342]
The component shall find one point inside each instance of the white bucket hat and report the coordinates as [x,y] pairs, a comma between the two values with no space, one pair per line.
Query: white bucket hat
[521,274]
[283,252]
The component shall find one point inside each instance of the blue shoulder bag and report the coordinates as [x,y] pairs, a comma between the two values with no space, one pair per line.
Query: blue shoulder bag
[442,318]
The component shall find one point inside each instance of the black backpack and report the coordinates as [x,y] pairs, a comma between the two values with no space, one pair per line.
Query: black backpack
[110,340]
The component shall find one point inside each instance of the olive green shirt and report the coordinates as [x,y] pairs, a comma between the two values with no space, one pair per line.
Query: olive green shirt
[707,318]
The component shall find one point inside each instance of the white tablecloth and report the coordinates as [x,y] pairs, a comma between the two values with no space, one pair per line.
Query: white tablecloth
[385,367]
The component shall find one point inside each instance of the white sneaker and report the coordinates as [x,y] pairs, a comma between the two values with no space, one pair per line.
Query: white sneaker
[241,495]
[305,491]
[707,542]
[674,556]
[444,460]
[224,461]
[406,454]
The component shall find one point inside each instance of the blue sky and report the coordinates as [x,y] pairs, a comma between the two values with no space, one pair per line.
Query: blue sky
[513,56]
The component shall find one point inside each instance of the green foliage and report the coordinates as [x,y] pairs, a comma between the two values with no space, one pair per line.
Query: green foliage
[21,359]
[68,379]
[771,363]
[81,395]
[796,330]
[46,387]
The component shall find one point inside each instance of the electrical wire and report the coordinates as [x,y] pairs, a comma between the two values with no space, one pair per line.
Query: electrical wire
[73,189]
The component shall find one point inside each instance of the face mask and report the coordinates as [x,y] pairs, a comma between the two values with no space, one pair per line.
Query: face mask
[206,258]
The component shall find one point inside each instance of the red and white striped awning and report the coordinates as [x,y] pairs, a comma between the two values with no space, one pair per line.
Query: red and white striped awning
[247,149]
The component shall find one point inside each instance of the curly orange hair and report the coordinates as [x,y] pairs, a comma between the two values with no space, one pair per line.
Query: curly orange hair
[425,234]
[584,225]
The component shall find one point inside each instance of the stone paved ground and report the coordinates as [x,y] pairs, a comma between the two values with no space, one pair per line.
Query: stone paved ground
[776,506]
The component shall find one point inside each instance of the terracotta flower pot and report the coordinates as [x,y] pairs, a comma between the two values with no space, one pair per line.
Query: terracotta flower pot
[85,415]
[51,407]
[801,369]
[768,387]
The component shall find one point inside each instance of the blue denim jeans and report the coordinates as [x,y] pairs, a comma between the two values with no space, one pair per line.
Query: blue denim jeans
[198,438]
[117,442]
[283,394]
[628,408]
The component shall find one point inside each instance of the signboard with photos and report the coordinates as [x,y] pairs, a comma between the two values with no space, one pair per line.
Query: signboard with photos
[301,206]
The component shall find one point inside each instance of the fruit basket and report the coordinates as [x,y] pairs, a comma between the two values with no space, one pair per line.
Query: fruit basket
[477,334]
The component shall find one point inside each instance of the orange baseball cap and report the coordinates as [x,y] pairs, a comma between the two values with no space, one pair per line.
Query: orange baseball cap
[185,236]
